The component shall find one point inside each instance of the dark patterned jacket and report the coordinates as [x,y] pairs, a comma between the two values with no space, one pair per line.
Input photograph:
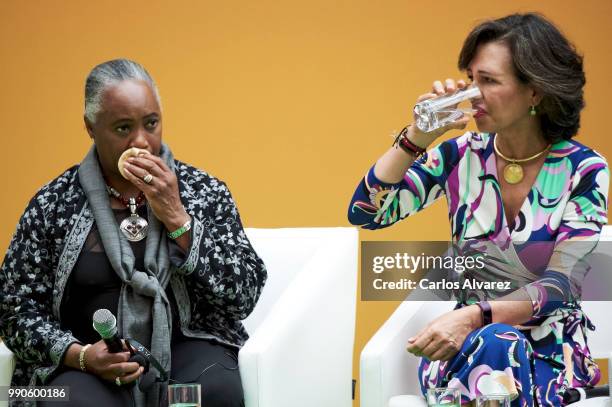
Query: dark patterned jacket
[216,287]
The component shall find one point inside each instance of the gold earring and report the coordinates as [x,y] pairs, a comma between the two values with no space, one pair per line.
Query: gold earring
[532,110]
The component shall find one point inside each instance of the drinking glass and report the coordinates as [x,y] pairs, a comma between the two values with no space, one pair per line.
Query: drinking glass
[493,400]
[184,395]
[443,397]
[431,114]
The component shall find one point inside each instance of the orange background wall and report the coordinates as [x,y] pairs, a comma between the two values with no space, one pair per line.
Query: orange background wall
[288,102]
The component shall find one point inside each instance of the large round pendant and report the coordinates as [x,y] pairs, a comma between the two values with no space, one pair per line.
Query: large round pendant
[134,228]
[513,173]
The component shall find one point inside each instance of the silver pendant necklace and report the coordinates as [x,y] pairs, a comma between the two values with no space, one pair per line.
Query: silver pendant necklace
[134,227]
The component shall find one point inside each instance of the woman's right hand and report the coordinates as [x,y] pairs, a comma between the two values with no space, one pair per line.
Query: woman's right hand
[392,166]
[438,89]
[109,366]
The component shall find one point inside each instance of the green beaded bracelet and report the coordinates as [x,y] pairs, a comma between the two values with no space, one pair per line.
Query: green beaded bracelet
[180,231]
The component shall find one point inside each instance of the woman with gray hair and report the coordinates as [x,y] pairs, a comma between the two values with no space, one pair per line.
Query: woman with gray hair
[132,230]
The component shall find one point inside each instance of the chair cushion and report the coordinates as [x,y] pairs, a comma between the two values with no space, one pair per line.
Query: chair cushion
[7,364]
[407,401]
[594,402]
[416,401]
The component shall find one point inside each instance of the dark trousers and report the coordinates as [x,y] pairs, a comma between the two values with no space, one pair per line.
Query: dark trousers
[212,365]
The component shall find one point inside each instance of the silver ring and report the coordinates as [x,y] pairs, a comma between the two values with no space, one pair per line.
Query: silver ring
[118,381]
[148,178]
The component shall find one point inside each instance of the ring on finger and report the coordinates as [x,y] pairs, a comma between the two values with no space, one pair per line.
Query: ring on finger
[118,381]
[148,178]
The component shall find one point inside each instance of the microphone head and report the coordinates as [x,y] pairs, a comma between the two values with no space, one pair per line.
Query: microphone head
[105,323]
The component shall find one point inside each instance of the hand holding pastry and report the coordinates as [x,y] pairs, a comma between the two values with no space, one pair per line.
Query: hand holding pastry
[159,184]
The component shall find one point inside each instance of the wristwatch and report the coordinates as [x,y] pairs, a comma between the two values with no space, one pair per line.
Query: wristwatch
[486,312]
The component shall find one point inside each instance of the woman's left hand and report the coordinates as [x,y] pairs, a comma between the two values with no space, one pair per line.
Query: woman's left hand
[443,337]
[162,192]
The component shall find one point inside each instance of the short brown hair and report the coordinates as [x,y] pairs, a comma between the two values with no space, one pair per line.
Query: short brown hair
[543,58]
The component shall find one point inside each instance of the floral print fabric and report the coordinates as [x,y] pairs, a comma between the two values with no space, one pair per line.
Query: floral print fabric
[477,369]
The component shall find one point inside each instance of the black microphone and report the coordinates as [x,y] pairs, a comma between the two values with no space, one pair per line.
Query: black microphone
[577,394]
[146,380]
[105,323]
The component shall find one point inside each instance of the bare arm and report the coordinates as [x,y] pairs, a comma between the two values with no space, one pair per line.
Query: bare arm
[513,309]
[442,338]
[394,163]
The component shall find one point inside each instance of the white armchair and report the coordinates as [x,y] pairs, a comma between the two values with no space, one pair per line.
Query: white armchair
[388,374]
[302,330]
[7,365]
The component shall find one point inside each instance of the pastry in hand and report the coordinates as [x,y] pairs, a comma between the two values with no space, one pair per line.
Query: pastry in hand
[130,152]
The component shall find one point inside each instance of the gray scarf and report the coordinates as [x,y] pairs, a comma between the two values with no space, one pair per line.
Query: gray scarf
[143,311]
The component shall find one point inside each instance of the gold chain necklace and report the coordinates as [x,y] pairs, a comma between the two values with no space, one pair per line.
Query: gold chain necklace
[513,172]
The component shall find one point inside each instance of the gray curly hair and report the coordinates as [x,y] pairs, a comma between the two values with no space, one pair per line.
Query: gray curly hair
[110,73]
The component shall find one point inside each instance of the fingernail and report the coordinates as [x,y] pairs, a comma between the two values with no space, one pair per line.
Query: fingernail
[411,339]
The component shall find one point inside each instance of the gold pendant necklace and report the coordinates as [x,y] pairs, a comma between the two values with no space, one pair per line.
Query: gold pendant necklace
[513,172]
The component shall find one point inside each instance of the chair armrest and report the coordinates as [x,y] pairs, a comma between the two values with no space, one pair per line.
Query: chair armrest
[594,402]
[7,365]
[301,354]
[386,369]
[407,401]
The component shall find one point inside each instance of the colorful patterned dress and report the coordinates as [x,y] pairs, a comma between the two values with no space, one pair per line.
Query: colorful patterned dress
[566,205]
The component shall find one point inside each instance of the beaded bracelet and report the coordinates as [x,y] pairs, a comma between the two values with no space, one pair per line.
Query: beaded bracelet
[180,231]
[82,364]
[408,146]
